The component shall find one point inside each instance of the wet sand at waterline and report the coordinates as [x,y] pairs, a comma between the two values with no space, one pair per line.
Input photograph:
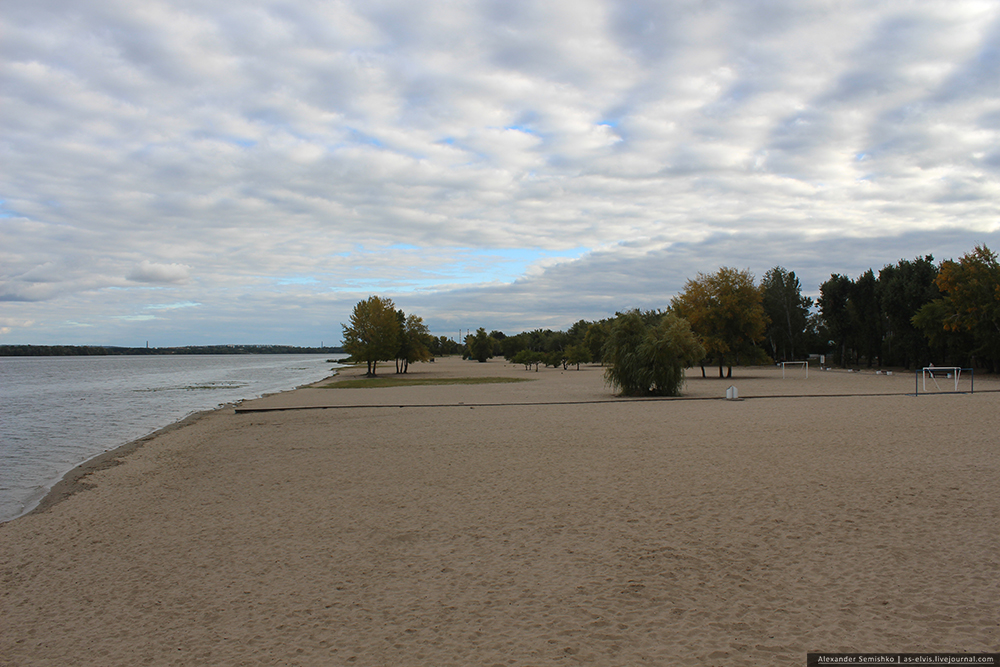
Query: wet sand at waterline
[534,523]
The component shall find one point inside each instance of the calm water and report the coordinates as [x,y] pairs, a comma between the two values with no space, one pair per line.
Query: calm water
[56,412]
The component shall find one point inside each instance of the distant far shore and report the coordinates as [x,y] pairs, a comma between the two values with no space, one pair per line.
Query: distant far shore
[98,350]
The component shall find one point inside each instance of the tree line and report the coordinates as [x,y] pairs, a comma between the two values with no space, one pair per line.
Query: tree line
[915,312]
[910,314]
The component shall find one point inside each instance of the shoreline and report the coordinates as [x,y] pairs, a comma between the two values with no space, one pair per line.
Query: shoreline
[521,533]
[72,481]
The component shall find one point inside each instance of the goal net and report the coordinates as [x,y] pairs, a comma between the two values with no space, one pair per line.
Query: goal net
[783,364]
[944,380]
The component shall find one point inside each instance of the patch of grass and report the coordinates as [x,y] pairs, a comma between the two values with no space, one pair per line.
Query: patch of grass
[377,382]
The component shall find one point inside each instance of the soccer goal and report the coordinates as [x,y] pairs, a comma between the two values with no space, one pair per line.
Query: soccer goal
[945,379]
[793,363]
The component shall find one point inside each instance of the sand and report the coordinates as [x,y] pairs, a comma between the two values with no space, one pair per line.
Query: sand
[535,523]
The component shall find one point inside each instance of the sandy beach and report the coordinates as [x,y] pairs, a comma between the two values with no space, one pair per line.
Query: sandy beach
[534,523]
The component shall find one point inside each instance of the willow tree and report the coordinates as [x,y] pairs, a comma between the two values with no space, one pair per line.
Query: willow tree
[373,334]
[648,358]
[726,312]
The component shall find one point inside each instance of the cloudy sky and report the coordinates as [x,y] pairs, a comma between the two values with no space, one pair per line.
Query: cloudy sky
[197,172]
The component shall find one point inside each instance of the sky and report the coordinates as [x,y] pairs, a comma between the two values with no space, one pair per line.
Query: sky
[184,172]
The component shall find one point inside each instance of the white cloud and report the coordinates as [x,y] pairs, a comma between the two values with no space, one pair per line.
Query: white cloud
[244,150]
[9,324]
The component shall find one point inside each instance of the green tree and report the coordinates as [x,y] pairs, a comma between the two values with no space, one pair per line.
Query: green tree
[903,290]
[442,345]
[578,331]
[373,333]
[866,318]
[555,341]
[480,345]
[597,334]
[649,359]
[528,358]
[414,341]
[555,358]
[834,296]
[817,336]
[511,345]
[547,342]
[576,355]
[788,312]
[498,338]
[945,346]
[726,312]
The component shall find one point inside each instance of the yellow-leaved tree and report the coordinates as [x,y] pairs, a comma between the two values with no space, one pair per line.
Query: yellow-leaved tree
[373,334]
[726,312]
[965,321]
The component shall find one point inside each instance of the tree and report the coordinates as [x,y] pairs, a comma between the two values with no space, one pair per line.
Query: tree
[649,359]
[549,343]
[726,312]
[555,358]
[414,341]
[817,336]
[970,303]
[853,314]
[555,341]
[576,355]
[480,345]
[903,290]
[834,295]
[528,358]
[498,338]
[373,334]
[404,344]
[578,331]
[945,346]
[866,318]
[594,339]
[788,311]
[512,345]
